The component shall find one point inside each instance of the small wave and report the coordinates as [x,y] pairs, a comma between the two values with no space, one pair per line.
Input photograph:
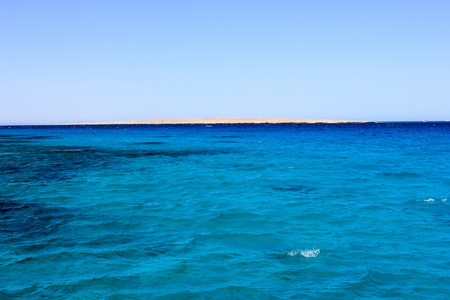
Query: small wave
[400,174]
[305,253]
[228,136]
[149,143]
[432,200]
[294,189]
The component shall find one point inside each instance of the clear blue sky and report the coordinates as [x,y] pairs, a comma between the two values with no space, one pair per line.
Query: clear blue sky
[70,61]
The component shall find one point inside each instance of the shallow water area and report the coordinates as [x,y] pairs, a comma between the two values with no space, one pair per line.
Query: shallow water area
[287,211]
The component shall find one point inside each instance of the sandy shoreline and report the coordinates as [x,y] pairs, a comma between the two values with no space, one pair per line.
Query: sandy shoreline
[218,120]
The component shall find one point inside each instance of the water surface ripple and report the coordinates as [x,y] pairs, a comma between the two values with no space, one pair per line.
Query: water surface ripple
[293,211]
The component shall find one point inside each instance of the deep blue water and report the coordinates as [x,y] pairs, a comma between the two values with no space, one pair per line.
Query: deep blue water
[306,211]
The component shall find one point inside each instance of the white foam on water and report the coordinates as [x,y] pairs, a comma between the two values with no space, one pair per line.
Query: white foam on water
[432,200]
[305,253]
[310,253]
[293,253]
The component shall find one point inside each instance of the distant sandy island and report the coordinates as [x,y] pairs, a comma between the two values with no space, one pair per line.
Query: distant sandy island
[219,120]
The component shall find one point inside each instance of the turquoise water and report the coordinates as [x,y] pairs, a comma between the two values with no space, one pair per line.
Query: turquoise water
[306,211]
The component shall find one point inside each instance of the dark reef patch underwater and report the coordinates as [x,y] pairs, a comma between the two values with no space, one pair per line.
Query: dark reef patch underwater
[289,211]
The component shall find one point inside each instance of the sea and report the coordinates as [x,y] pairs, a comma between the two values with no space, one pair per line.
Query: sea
[244,211]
